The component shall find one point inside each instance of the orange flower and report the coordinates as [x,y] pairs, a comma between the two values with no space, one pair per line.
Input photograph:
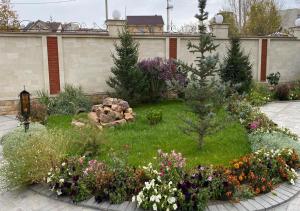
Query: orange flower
[263,179]
[236,165]
[257,190]
[263,188]
[241,178]
[229,194]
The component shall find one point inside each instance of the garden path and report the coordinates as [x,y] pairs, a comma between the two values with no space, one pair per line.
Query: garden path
[286,114]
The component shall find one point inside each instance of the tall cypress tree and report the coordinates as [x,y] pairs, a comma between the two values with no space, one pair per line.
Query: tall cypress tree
[237,69]
[200,93]
[127,79]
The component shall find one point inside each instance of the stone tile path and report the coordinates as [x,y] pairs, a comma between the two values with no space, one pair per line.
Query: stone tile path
[286,114]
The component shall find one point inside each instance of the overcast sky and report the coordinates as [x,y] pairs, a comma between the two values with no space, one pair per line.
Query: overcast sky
[93,11]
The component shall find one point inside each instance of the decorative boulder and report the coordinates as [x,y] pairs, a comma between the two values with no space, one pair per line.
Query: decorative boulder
[111,112]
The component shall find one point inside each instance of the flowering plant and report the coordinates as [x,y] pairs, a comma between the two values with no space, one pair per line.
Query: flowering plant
[171,165]
[68,179]
[158,194]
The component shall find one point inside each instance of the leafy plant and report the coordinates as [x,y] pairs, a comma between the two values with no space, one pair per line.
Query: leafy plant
[154,117]
[69,101]
[273,79]
[282,92]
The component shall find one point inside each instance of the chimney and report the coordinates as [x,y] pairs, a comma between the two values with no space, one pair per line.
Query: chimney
[115,26]
[220,31]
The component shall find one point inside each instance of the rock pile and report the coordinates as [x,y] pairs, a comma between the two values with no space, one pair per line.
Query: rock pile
[111,112]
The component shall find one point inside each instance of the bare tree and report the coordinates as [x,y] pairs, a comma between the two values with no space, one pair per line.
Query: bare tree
[189,28]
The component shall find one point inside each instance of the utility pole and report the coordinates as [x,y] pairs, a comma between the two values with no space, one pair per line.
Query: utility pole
[106,9]
[240,14]
[169,7]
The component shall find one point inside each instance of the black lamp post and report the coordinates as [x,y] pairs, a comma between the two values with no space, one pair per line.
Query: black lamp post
[25,108]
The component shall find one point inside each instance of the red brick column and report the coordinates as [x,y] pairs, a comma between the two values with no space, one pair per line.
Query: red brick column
[173,48]
[264,56]
[53,64]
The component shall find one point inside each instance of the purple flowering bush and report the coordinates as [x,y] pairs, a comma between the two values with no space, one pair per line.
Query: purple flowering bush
[161,76]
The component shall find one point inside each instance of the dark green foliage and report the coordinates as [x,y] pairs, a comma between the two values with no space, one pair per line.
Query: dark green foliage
[201,91]
[282,92]
[237,69]
[154,117]
[69,101]
[127,81]
[273,78]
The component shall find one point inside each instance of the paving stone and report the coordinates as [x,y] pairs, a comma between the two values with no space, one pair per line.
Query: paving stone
[221,207]
[230,207]
[239,207]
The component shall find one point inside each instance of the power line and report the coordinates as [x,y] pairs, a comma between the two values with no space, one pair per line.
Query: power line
[47,2]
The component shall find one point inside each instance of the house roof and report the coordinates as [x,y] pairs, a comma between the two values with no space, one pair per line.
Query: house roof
[42,25]
[145,20]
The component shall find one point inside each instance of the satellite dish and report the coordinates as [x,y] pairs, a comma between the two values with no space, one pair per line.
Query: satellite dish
[297,22]
[116,15]
[219,19]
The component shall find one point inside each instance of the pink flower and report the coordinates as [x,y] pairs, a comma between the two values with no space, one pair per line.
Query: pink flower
[254,125]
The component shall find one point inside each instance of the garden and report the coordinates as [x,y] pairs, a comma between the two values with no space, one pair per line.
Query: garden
[172,136]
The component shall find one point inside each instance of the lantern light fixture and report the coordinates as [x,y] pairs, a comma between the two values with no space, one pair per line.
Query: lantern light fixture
[25,108]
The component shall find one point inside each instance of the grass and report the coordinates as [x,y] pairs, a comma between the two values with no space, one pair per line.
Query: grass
[141,140]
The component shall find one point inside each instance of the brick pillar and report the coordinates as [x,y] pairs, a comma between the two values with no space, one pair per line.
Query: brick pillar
[264,59]
[53,64]
[173,48]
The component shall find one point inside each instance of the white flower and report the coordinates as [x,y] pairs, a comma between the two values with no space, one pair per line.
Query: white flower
[175,206]
[170,183]
[58,192]
[171,200]
[133,199]
[49,179]
[154,207]
[61,181]
[159,178]
[292,182]
[63,164]
[152,198]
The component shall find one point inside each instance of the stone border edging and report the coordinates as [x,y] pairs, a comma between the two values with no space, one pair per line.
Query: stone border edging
[282,194]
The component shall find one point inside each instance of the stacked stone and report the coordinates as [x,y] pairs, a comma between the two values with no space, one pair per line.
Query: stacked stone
[111,112]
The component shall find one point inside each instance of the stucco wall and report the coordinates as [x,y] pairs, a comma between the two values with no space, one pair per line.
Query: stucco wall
[85,60]
[21,64]
[284,57]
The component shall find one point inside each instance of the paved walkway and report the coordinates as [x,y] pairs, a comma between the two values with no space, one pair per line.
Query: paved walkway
[286,114]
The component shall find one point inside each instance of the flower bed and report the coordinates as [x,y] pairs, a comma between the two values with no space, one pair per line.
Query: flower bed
[166,185]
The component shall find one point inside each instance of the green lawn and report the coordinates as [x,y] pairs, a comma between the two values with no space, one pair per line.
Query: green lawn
[142,140]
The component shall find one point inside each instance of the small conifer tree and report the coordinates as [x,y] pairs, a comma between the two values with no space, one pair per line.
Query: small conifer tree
[127,79]
[237,69]
[200,93]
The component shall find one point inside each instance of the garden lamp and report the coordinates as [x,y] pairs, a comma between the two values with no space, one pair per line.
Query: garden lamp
[25,107]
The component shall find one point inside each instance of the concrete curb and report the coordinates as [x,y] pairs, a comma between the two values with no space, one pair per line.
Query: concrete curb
[282,194]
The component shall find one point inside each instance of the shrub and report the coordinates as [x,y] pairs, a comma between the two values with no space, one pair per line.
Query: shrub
[273,141]
[282,92]
[154,117]
[30,156]
[69,101]
[161,75]
[38,113]
[273,78]
[236,68]
[259,95]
